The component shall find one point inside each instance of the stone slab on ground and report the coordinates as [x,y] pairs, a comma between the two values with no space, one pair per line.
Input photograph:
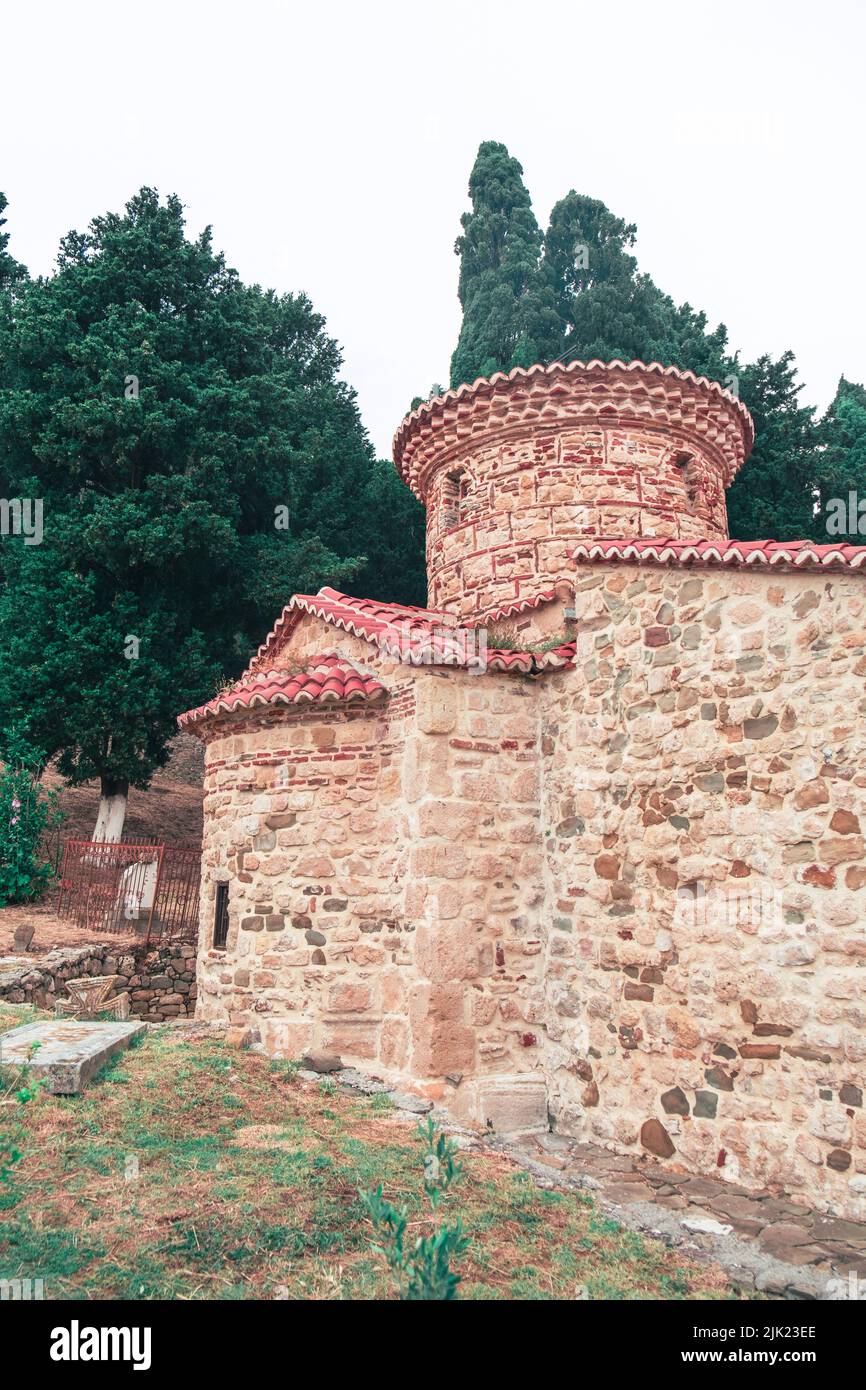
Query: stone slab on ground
[67,1054]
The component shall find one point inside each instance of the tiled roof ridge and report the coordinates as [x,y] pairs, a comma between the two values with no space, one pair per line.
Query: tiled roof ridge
[531,663]
[351,614]
[482,385]
[661,550]
[510,609]
[328,678]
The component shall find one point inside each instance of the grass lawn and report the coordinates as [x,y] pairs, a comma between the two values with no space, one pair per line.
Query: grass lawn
[247,1188]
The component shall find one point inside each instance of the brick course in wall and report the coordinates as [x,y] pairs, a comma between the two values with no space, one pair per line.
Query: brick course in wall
[548,456]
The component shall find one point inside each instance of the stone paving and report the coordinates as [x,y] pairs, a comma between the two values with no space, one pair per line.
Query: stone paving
[761,1239]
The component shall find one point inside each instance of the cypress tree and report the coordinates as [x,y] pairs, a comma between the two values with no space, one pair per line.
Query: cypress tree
[590,300]
[773,497]
[509,316]
[605,307]
[11,273]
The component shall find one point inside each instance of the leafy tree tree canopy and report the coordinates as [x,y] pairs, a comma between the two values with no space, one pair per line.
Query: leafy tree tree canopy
[843,433]
[198,459]
[773,496]
[11,272]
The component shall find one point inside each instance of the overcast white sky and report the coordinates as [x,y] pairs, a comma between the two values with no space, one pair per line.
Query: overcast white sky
[330,146]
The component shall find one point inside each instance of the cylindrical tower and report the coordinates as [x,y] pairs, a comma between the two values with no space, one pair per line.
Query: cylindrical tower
[515,470]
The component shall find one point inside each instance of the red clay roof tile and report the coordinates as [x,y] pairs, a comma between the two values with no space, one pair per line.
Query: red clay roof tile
[417,636]
[462,398]
[785,554]
[328,679]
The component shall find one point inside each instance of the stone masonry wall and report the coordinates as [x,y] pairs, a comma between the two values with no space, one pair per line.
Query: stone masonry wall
[630,891]
[530,498]
[301,821]
[471,780]
[383,867]
[160,980]
[705,798]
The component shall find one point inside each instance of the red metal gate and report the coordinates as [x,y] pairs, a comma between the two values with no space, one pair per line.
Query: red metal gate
[149,890]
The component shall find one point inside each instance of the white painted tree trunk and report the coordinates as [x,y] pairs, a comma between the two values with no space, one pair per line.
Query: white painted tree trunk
[112,810]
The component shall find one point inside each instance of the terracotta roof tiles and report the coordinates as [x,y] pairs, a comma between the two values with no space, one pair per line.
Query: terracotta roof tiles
[361,616]
[417,636]
[776,554]
[328,679]
[671,396]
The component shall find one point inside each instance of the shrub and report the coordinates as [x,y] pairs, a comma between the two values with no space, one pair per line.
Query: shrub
[27,812]
[422,1268]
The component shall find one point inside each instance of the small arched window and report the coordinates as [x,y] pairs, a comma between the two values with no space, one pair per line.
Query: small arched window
[455,490]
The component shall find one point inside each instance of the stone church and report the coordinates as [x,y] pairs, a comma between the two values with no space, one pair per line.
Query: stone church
[581,844]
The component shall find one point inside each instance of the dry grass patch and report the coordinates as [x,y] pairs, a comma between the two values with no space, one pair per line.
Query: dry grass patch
[191,1170]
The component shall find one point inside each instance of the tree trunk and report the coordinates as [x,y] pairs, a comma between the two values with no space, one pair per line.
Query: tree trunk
[113,795]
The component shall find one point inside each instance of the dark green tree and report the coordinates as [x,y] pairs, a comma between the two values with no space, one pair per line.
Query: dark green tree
[843,460]
[610,310]
[604,307]
[774,495]
[391,527]
[509,315]
[198,460]
[11,272]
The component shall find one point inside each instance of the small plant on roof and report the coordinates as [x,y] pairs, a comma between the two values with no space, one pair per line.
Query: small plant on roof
[422,1268]
[505,637]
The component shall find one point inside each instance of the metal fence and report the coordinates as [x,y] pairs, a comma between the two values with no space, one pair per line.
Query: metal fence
[148,890]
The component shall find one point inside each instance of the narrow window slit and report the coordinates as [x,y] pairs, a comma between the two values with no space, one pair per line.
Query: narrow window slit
[221,917]
[454,493]
[688,466]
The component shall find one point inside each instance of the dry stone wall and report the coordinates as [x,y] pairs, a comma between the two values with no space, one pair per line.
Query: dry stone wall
[160,980]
